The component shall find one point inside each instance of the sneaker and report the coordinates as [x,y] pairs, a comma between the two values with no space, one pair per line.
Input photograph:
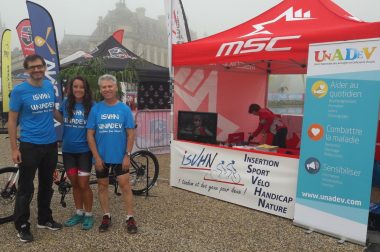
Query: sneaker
[24,234]
[131,226]
[88,222]
[74,220]
[106,223]
[52,225]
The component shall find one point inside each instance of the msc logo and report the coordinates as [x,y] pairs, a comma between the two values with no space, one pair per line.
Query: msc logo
[344,54]
[266,43]
[26,35]
[40,41]
[289,15]
[254,45]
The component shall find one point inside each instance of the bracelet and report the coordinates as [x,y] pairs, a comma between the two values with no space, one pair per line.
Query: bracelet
[128,153]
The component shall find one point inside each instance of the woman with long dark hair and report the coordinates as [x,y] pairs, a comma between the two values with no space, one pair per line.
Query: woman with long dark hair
[77,157]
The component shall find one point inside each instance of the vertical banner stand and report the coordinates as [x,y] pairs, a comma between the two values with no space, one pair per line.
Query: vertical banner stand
[338,139]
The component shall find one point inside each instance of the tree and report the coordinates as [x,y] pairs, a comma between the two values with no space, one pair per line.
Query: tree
[92,69]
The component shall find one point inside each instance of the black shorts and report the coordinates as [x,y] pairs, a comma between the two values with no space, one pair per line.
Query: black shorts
[81,161]
[116,168]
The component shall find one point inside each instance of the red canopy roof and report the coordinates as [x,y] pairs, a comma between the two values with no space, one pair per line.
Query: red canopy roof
[278,39]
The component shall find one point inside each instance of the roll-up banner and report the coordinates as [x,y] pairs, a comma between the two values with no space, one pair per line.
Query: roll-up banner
[258,180]
[24,31]
[45,44]
[6,71]
[338,138]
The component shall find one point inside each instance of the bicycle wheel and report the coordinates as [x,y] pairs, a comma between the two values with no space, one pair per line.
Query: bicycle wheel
[8,191]
[143,171]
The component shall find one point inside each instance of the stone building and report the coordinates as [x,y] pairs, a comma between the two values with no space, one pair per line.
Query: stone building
[143,35]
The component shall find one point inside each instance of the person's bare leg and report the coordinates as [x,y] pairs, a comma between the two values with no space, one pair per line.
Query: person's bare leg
[103,194]
[127,193]
[77,195]
[86,193]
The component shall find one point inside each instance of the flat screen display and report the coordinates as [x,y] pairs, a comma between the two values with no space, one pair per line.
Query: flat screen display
[197,126]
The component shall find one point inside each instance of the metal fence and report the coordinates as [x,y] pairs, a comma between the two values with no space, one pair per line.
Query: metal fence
[153,128]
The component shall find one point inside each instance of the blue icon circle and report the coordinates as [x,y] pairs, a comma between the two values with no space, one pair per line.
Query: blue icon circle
[312,165]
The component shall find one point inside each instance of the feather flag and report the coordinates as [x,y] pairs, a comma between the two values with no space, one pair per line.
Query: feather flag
[24,31]
[6,72]
[45,45]
[177,22]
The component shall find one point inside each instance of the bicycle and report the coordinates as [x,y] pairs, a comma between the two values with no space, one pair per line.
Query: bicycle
[143,173]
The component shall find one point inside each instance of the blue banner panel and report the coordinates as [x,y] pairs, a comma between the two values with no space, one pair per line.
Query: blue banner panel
[45,42]
[338,138]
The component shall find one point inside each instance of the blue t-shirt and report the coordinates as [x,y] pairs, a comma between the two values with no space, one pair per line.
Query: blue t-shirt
[74,130]
[110,123]
[35,106]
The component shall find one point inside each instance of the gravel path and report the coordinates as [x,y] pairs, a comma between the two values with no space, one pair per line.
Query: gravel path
[171,220]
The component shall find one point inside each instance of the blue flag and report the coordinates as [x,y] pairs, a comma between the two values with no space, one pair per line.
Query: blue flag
[45,42]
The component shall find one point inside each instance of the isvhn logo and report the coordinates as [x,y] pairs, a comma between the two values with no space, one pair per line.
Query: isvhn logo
[312,165]
[119,53]
[26,35]
[265,43]
[345,54]
[40,41]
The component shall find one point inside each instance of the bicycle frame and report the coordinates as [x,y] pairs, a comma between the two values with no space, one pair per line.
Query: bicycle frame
[12,180]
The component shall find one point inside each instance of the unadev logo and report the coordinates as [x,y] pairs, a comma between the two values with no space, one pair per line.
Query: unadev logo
[119,53]
[265,43]
[345,54]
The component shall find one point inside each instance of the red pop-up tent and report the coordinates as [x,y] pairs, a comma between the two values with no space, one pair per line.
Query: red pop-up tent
[278,39]
[226,72]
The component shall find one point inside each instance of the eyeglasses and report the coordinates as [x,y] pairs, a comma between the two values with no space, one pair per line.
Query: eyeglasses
[37,67]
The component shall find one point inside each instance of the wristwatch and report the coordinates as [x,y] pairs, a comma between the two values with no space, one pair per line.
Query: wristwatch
[128,153]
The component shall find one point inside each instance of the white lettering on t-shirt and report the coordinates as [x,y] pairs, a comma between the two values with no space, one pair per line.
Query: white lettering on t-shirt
[110,125]
[42,96]
[79,121]
[46,105]
[78,112]
[109,116]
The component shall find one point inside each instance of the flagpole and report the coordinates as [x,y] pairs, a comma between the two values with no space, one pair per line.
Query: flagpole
[171,78]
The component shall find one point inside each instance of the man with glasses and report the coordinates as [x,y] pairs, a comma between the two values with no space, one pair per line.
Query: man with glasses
[32,105]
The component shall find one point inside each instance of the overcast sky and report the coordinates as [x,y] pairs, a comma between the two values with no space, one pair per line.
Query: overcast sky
[205,17]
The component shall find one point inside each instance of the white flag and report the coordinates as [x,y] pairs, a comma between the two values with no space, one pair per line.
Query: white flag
[178,31]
